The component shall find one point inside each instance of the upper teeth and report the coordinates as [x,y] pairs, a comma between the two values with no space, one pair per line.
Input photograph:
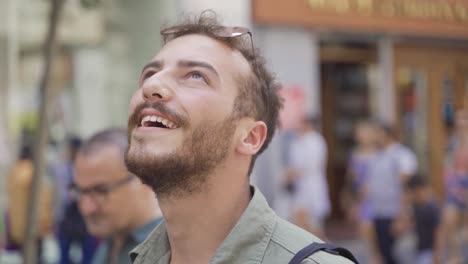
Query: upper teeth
[159,119]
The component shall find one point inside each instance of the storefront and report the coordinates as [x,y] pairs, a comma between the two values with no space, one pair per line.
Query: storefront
[404,62]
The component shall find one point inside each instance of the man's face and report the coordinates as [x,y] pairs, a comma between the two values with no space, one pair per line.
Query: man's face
[104,213]
[366,135]
[382,137]
[461,121]
[181,124]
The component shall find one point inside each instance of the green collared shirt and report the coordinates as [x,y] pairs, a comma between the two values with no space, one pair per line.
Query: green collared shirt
[260,236]
[135,238]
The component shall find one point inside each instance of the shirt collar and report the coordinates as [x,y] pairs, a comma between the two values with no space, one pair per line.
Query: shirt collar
[139,235]
[247,241]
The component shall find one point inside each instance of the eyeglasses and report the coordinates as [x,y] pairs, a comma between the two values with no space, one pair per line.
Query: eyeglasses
[97,193]
[219,31]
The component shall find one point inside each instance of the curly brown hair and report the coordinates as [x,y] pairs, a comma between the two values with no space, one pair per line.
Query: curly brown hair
[258,93]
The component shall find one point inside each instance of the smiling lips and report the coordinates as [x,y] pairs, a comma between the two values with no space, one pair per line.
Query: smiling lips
[156,121]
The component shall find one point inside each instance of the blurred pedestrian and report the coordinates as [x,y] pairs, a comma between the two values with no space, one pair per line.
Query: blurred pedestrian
[70,226]
[19,183]
[424,218]
[455,212]
[116,206]
[357,202]
[205,108]
[306,178]
[388,173]
[2,233]
[61,171]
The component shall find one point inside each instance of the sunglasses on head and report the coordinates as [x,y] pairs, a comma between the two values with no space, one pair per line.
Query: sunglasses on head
[219,31]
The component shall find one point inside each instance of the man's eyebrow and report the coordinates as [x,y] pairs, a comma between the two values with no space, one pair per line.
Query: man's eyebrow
[154,64]
[192,63]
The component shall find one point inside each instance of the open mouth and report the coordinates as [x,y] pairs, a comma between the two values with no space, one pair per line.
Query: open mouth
[156,121]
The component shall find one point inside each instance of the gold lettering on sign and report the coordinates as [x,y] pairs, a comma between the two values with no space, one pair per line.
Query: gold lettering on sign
[430,11]
[365,6]
[341,6]
[447,12]
[320,4]
[434,10]
[388,9]
[461,13]
[412,10]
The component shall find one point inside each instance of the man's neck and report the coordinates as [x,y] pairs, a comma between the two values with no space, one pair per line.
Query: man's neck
[144,213]
[197,224]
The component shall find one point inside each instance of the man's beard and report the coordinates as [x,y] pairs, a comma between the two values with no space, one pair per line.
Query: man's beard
[185,170]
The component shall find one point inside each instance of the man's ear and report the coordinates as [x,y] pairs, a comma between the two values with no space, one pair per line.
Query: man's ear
[252,138]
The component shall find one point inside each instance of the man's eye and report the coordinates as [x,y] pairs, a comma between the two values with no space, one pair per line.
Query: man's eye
[198,76]
[100,190]
[147,74]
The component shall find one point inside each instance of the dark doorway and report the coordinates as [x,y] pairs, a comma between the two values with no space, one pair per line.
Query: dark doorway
[345,101]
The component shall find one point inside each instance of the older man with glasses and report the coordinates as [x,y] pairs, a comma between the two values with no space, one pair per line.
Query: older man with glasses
[116,206]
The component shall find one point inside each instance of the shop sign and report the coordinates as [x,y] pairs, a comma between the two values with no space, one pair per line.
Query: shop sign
[434,10]
[436,18]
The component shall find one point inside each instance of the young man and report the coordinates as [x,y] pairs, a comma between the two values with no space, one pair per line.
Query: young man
[206,106]
[116,206]
[388,173]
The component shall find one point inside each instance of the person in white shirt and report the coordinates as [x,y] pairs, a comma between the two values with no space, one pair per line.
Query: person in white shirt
[388,173]
[306,178]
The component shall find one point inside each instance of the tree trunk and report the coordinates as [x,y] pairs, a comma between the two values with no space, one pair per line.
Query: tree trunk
[30,252]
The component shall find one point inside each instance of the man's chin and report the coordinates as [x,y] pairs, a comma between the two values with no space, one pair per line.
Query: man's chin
[99,232]
[139,151]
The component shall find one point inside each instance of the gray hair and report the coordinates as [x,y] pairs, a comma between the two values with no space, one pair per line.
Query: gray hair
[109,137]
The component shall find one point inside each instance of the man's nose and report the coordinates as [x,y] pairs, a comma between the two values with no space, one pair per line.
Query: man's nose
[87,205]
[158,88]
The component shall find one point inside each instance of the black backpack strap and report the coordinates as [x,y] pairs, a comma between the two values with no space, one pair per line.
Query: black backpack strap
[329,248]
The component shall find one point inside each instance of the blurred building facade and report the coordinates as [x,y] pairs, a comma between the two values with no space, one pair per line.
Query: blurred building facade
[398,61]
[394,60]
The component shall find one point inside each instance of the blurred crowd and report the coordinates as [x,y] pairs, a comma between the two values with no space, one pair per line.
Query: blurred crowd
[90,208]
[386,196]
[87,201]
[58,214]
